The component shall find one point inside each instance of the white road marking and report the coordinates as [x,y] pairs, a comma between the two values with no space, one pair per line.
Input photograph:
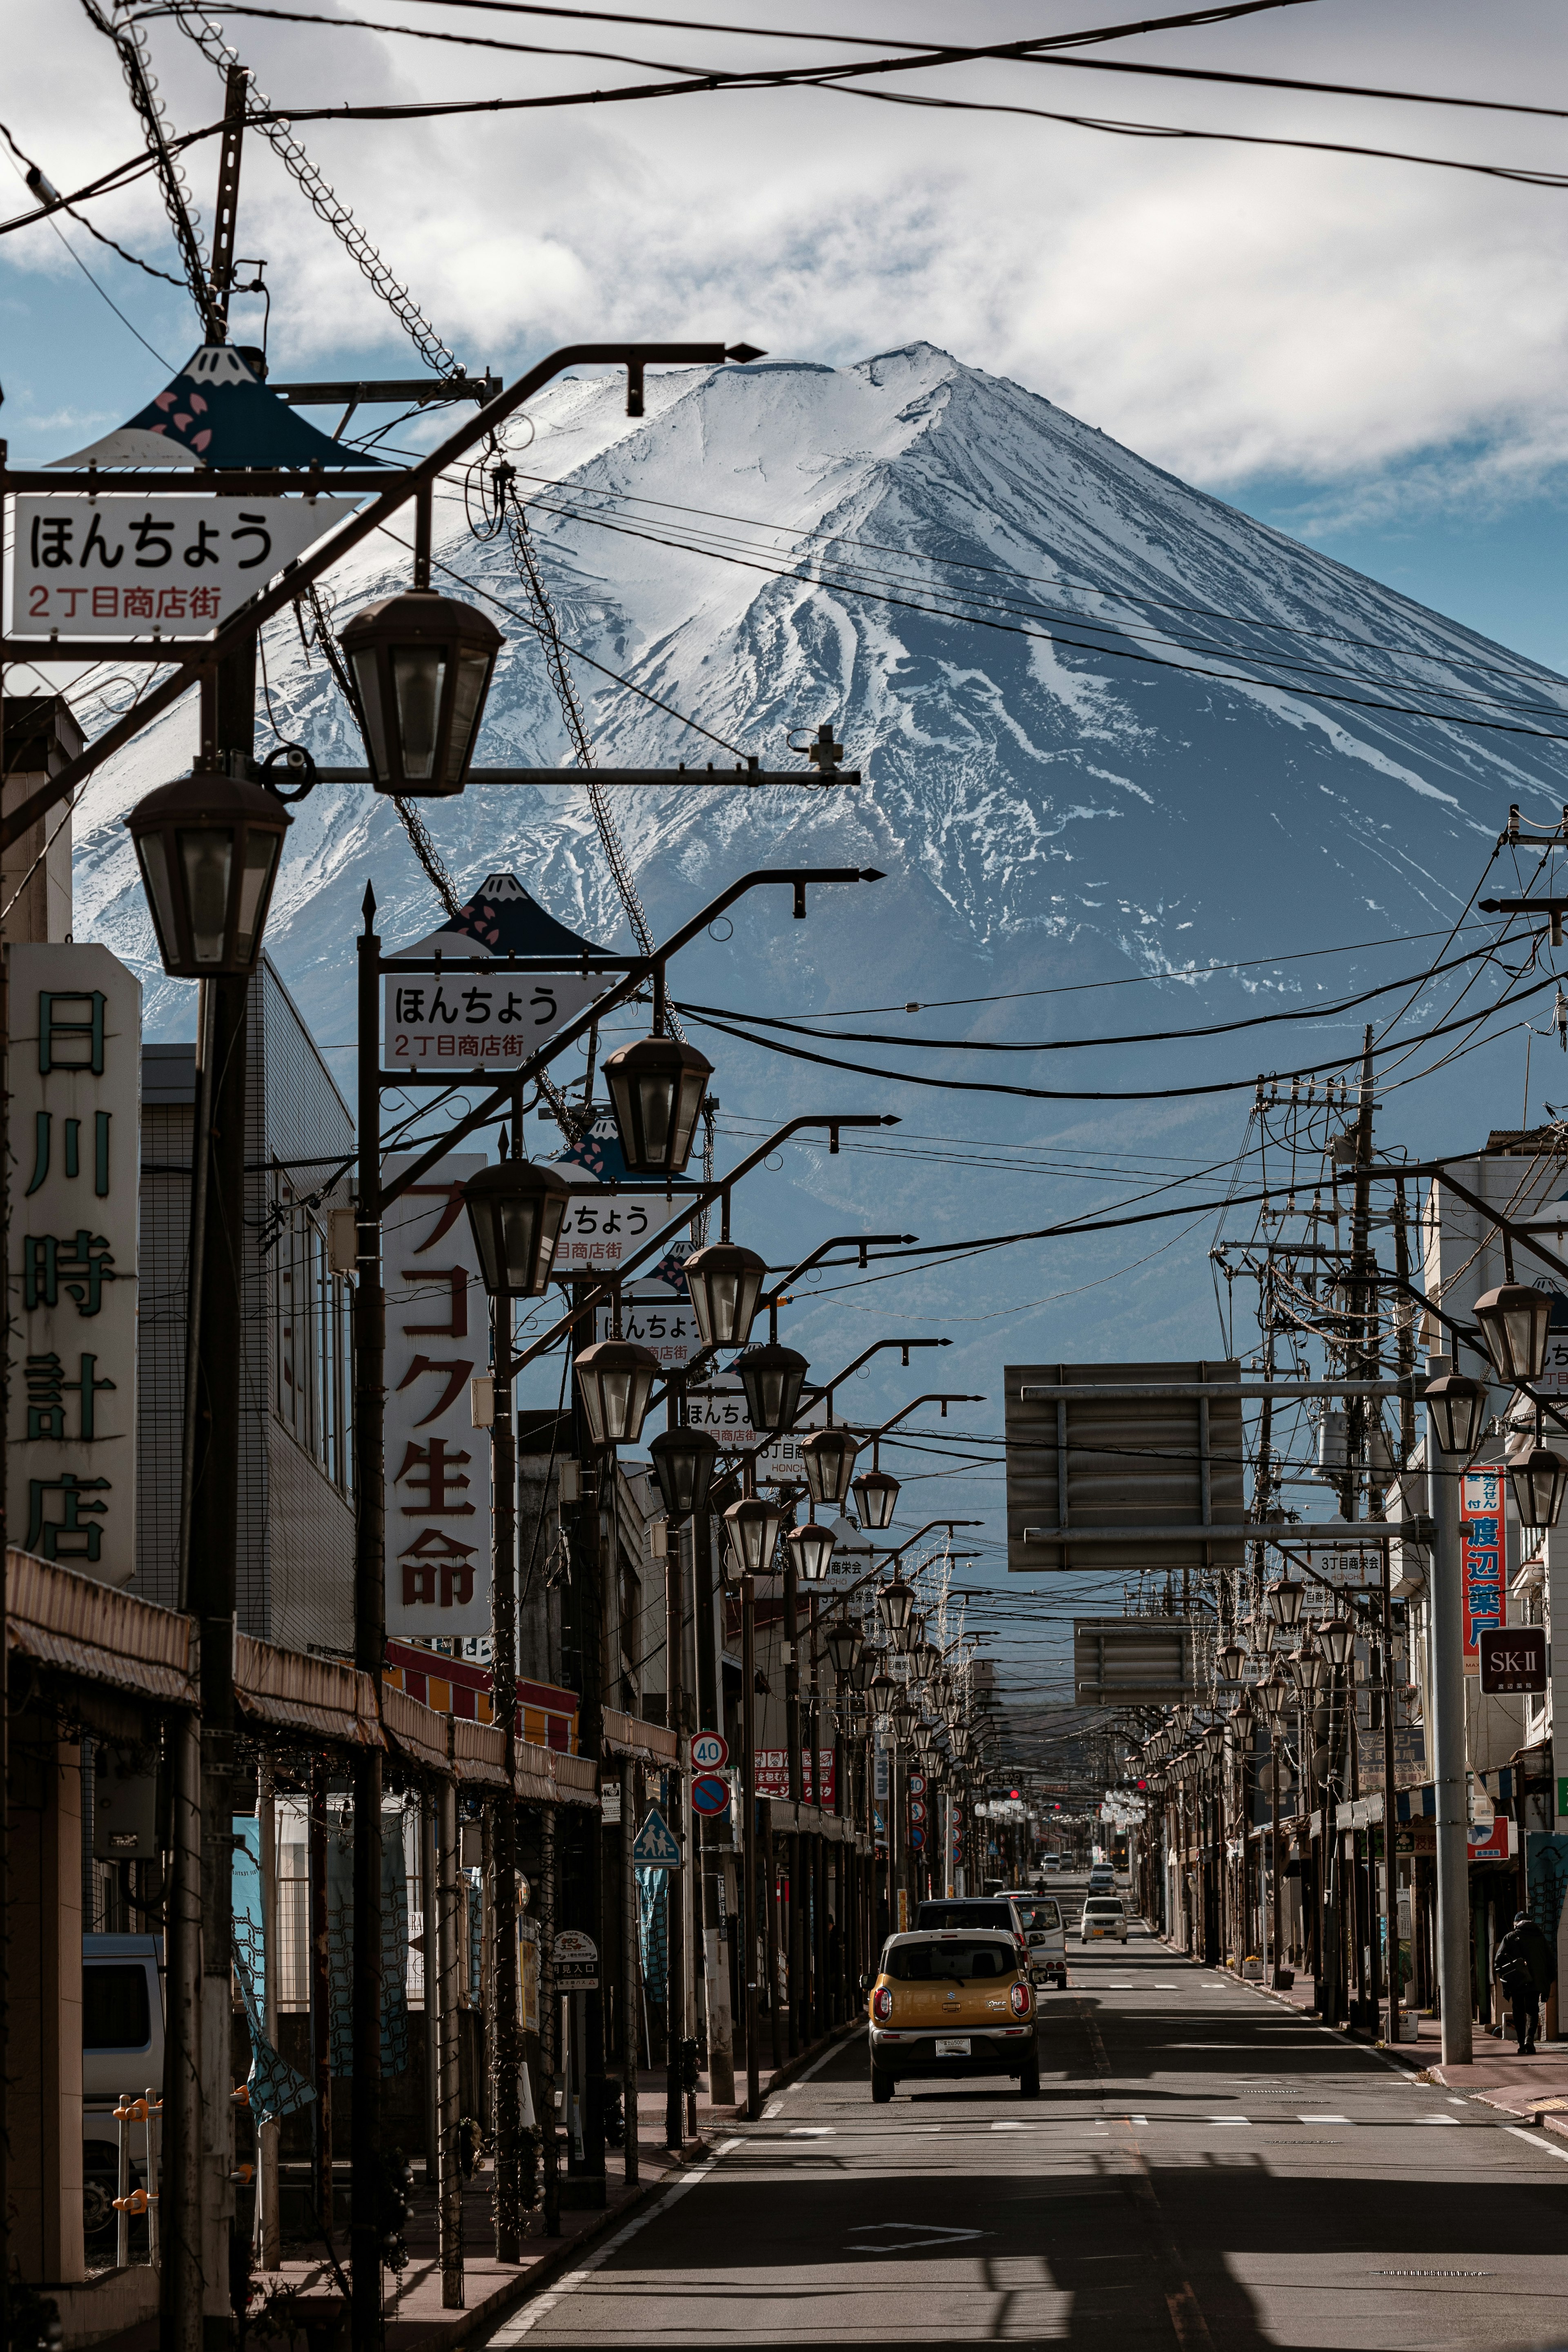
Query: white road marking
[770,2114]
[811,2131]
[1139,2119]
[1534,2139]
[526,2320]
[1322,2119]
[1236,2123]
[1438,2119]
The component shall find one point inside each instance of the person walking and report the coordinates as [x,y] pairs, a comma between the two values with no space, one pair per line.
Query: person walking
[1525,1968]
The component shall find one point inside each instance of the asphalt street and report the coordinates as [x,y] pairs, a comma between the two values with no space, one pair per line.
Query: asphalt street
[1203,2169]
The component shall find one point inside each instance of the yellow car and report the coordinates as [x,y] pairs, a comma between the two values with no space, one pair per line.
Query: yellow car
[948,2002]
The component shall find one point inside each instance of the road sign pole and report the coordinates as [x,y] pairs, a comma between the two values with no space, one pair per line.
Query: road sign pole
[674,1904]
[749,1837]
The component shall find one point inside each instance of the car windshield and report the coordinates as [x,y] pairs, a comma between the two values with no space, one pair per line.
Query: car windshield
[965,1961]
[1038,1916]
[1106,1903]
[964,1914]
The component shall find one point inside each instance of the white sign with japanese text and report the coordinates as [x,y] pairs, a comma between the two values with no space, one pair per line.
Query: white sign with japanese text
[1357,1568]
[597,1233]
[656,1315]
[114,565]
[441,1021]
[75,1177]
[438,1463]
[721,1411]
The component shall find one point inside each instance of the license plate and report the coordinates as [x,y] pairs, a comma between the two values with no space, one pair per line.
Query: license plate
[952,2048]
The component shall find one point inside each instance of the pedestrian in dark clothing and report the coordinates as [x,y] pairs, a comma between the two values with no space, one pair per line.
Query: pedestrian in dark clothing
[1526,1966]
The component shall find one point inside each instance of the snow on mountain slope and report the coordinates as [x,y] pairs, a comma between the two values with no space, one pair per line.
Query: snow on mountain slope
[1077,805]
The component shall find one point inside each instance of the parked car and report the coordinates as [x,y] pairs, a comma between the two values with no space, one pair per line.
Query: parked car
[1103,1915]
[1044,1931]
[121,2052]
[950,2003]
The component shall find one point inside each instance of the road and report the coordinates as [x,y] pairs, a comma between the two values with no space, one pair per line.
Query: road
[1201,2171]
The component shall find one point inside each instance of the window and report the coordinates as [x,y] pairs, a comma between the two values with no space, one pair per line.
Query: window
[312,1390]
[964,1914]
[968,1962]
[115,2014]
[1038,1916]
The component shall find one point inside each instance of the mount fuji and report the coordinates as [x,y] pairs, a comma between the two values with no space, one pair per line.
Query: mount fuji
[1109,728]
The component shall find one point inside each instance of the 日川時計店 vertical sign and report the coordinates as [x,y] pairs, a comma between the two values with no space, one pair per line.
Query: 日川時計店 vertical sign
[75,1175]
[1483,1540]
[438,1463]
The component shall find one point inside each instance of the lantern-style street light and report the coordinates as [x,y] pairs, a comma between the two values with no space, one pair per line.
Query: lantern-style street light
[656,1085]
[615,1379]
[422,665]
[515,1207]
[827,1457]
[881,1691]
[901,1716]
[810,1550]
[876,1493]
[1456,1406]
[771,1377]
[1336,1640]
[1284,1597]
[684,1460]
[208,847]
[1230,1661]
[844,1643]
[894,1605]
[724,1282]
[752,1527]
[1539,1483]
[1515,1321]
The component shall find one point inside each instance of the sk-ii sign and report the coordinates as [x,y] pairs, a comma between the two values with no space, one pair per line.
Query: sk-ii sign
[75,1166]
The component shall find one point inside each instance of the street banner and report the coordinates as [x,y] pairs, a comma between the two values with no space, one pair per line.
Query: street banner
[75,1175]
[438,1463]
[772,1775]
[1483,1537]
[107,563]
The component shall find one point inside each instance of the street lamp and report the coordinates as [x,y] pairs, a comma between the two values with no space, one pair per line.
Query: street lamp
[1284,1597]
[515,1207]
[827,1457]
[895,1604]
[1309,1666]
[925,1737]
[1457,1404]
[810,1549]
[422,665]
[1515,1322]
[1336,1639]
[844,1642]
[1231,1660]
[771,1377]
[876,1494]
[684,1460]
[901,1716]
[752,1527]
[881,1691]
[724,1282]
[1539,1483]
[616,1383]
[656,1085]
[208,847]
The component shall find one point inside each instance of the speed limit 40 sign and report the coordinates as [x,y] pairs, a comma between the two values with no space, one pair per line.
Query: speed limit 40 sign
[709,1751]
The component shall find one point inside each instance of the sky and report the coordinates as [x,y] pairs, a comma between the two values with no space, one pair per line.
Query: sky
[1366,354]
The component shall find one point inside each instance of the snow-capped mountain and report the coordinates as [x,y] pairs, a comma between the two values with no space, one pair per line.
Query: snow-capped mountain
[1076,688]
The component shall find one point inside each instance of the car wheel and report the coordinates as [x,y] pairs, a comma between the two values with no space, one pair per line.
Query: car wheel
[1029,2080]
[881,2086]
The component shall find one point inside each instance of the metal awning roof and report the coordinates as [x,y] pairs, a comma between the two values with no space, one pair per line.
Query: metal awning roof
[290,1690]
[79,1626]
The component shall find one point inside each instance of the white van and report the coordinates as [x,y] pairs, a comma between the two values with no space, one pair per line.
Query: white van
[121,2051]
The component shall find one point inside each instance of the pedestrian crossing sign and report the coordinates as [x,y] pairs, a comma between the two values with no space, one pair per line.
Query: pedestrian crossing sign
[653,1846]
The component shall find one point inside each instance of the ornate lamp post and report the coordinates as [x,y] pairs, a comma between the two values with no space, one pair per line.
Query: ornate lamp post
[209,847]
[615,1380]
[724,1283]
[422,665]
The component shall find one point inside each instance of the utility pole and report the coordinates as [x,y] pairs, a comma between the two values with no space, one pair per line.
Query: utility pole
[370,1649]
[505,2048]
[1445,1681]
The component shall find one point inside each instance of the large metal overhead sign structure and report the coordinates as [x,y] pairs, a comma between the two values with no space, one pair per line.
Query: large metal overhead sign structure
[1134,1661]
[1118,1466]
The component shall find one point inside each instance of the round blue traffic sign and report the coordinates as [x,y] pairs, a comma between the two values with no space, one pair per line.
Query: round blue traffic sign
[710,1794]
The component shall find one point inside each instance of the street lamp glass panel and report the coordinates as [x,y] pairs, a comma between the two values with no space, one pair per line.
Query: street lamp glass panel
[683,1463]
[418,673]
[901,1716]
[925,1738]
[656,1085]
[810,1550]
[895,1604]
[515,1207]
[827,1457]
[1454,1405]
[1285,1601]
[367,680]
[1515,1322]
[771,1377]
[617,1381]
[876,1494]
[724,1283]
[1230,1661]
[208,847]
[753,1528]
[1538,1483]
[881,1691]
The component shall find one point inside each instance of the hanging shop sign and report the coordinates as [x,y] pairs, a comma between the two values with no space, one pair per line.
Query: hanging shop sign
[1354,1568]
[437,1464]
[721,1410]
[656,1311]
[600,1230]
[470,1022]
[75,1172]
[772,1775]
[111,564]
[1483,1538]
[1513,1659]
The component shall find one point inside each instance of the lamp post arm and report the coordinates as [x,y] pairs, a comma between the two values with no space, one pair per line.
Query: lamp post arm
[246,625]
[865,1357]
[935,1396]
[774,1297]
[504,1095]
[930,1524]
[692,1201]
